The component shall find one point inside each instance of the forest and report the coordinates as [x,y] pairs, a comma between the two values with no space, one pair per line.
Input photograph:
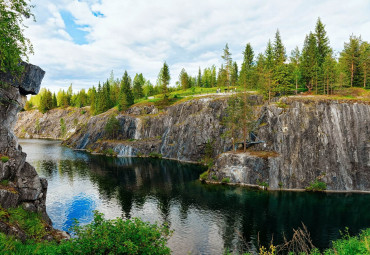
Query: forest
[314,69]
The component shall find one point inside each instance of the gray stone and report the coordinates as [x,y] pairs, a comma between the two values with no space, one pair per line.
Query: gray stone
[8,198]
[29,82]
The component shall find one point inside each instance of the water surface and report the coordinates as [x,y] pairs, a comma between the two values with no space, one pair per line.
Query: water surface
[206,219]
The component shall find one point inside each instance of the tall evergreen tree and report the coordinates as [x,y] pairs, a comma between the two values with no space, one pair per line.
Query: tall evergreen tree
[126,96]
[199,78]
[184,79]
[365,62]
[138,84]
[295,57]
[350,60]
[234,74]
[228,64]
[279,50]
[309,61]
[245,78]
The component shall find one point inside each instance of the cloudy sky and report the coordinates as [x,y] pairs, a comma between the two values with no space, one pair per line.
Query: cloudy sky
[80,42]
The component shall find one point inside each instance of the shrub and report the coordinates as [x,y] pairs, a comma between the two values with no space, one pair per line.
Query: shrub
[63,128]
[112,127]
[316,186]
[280,185]
[101,236]
[214,177]
[4,159]
[4,182]
[155,155]
[225,180]
[110,152]
[204,176]
[262,183]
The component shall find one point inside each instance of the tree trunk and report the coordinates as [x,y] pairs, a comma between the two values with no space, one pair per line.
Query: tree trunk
[365,73]
[352,66]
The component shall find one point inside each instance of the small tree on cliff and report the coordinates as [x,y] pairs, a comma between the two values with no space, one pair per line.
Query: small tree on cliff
[13,44]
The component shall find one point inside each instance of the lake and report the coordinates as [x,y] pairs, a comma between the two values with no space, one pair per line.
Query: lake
[206,219]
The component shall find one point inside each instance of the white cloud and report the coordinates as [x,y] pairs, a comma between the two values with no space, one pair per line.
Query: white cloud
[140,35]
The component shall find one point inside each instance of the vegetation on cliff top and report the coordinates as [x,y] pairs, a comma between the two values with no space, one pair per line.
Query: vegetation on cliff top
[313,69]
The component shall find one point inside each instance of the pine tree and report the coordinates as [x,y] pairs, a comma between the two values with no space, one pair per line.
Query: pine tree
[329,68]
[184,79]
[245,79]
[165,81]
[138,84]
[350,60]
[199,78]
[228,64]
[234,74]
[55,102]
[295,63]
[126,98]
[279,52]
[268,70]
[365,61]
[309,61]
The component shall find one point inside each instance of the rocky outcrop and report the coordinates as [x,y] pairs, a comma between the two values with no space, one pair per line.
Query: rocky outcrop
[306,138]
[20,184]
[325,140]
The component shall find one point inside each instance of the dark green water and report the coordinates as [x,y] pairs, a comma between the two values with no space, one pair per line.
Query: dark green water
[205,218]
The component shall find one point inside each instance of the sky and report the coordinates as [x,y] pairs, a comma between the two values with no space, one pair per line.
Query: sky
[81,42]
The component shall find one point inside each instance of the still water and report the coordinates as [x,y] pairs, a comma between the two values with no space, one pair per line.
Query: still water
[206,219]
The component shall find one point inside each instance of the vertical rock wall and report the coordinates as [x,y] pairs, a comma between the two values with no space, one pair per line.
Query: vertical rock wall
[19,181]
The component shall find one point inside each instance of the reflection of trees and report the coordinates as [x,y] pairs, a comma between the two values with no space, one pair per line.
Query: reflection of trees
[256,213]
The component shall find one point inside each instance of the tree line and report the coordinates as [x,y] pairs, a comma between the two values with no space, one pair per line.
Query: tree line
[314,69]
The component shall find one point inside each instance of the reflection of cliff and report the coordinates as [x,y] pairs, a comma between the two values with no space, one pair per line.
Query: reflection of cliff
[170,186]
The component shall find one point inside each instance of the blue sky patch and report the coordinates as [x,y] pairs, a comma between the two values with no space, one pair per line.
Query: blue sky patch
[75,31]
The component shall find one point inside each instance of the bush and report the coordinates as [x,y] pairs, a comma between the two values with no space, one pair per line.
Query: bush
[4,182]
[110,152]
[101,236]
[204,176]
[316,186]
[112,127]
[155,155]
[214,177]
[4,159]
[225,180]
[262,183]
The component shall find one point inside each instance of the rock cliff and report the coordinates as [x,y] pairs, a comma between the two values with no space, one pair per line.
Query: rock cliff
[20,184]
[305,139]
[311,139]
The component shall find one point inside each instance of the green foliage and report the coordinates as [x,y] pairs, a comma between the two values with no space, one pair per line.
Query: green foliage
[37,126]
[280,185]
[63,127]
[225,180]
[214,177]
[4,182]
[112,127]
[13,44]
[110,152]
[155,155]
[4,159]
[262,183]
[101,236]
[316,186]
[204,176]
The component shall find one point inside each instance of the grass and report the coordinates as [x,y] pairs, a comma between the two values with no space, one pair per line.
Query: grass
[316,186]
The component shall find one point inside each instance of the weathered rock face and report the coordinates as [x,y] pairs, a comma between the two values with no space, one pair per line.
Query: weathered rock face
[180,132]
[327,140]
[21,184]
[308,139]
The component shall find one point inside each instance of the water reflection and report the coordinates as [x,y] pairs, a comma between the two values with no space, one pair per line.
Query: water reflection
[206,219]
